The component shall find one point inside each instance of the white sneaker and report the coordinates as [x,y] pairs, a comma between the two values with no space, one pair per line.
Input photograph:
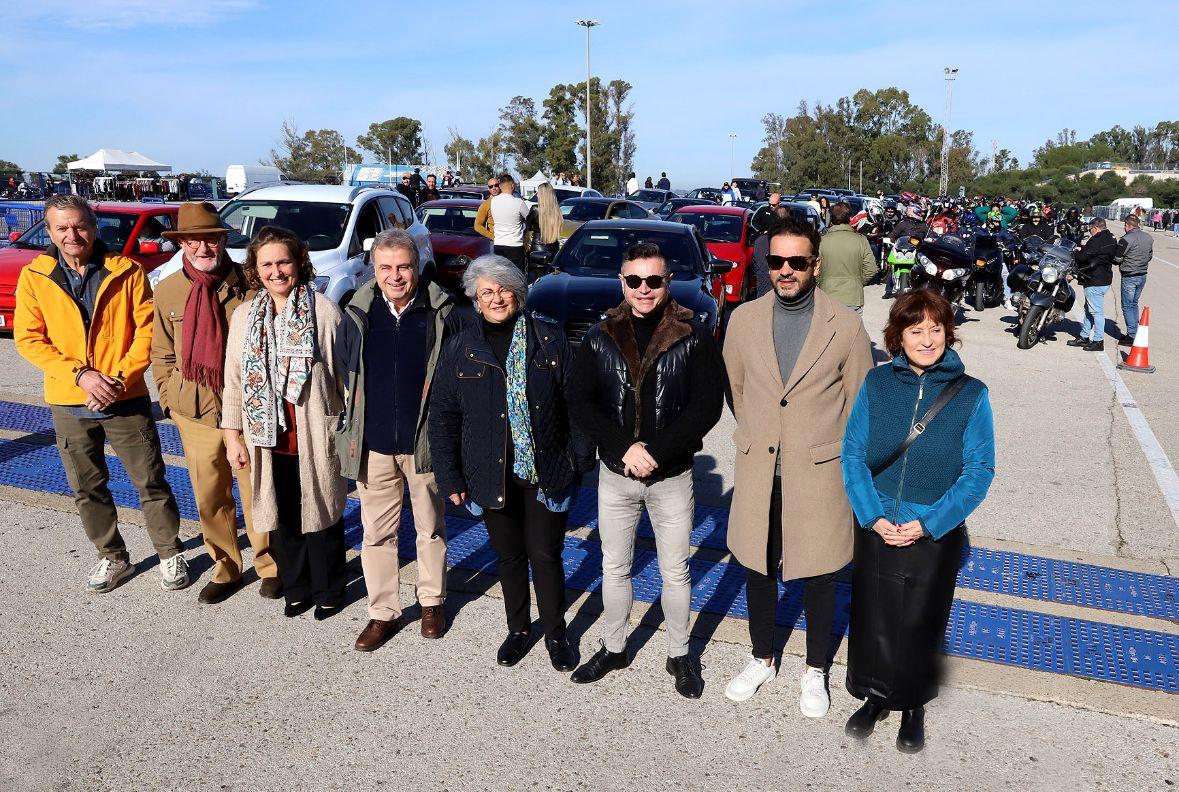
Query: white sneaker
[106,575]
[814,701]
[755,674]
[1008,304]
[173,573]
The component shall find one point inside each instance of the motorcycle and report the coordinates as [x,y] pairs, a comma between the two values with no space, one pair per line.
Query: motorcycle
[1042,283]
[901,255]
[943,264]
[984,284]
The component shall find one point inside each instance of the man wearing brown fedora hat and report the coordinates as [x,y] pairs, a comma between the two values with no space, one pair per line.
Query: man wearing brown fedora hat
[192,310]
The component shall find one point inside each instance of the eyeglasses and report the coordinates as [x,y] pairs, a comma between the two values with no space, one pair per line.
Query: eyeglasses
[493,186]
[653,281]
[195,242]
[797,263]
[491,295]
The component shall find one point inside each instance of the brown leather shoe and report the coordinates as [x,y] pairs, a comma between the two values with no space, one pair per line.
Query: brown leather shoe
[374,636]
[433,621]
[271,588]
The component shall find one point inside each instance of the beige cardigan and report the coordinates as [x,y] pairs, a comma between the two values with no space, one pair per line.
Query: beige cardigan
[316,417]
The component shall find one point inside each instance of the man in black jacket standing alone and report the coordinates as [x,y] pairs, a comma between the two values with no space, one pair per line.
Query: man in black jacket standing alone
[648,384]
[1095,260]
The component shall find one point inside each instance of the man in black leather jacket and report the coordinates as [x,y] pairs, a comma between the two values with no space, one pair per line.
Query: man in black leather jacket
[1095,261]
[647,385]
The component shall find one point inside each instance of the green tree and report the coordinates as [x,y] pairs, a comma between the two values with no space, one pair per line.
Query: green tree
[316,155]
[460,152]
[523,135]
[562,135]
[63,161]
[7,166]
[490,156]
[398,140]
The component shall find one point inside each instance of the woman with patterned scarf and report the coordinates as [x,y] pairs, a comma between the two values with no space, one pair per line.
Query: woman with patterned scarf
[281,407]
[502,446]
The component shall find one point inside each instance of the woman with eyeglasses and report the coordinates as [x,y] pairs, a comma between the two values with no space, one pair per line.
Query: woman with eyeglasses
[501,440]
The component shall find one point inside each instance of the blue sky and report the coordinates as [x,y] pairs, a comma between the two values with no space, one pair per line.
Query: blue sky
[207,84]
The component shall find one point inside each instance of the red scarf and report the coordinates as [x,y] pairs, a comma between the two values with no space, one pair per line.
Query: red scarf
[203,345]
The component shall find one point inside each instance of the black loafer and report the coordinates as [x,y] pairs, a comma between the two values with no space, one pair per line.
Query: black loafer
[1094,346]
[688,682]
[214,593]
[603,662]
[327,611]
[513,649]
[863,720]
[561,653]
[911,737]
[1077,342]
[292,609]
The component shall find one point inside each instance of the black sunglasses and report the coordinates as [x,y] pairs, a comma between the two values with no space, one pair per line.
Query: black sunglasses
[797,263]
[652,281]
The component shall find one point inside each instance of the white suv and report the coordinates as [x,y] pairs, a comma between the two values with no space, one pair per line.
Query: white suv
[337,223]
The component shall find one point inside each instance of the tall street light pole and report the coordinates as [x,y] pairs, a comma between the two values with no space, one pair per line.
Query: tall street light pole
[732,139]
[944,182]
[589,174]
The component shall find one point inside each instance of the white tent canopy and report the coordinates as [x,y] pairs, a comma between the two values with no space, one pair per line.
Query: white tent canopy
[118,160]
[528,187]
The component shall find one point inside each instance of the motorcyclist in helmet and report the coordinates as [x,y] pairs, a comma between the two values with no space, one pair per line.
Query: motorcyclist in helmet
[1036,225]
[1069,226]
[911,225]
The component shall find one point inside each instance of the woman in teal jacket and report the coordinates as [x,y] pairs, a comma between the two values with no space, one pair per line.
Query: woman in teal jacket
[911,508]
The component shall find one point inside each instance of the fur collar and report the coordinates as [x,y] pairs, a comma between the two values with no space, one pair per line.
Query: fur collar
[672,328]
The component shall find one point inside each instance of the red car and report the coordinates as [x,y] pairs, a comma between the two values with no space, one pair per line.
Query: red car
[451,223]
[132,229]
[728,236]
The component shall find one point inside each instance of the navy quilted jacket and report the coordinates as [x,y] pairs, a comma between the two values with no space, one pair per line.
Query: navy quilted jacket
[469,429]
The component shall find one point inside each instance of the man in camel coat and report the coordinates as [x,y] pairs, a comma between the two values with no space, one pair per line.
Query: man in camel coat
[796,359]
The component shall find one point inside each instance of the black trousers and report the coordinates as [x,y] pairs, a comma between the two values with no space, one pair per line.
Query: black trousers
[525,532]
[512,254]
[761,595]
[310,565]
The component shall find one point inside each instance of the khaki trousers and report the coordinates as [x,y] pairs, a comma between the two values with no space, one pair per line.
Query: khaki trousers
[212,487]
[381,488]
[137,444]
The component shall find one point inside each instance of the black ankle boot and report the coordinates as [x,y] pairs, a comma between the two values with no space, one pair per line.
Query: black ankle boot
[863,720]
[911,737]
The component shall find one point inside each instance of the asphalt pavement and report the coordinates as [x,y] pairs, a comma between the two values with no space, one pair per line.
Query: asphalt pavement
[144,689]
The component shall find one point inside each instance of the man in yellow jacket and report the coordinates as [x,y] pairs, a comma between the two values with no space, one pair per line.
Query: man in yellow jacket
[84,317]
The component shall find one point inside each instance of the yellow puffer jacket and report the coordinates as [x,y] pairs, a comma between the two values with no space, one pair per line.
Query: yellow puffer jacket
[50,334]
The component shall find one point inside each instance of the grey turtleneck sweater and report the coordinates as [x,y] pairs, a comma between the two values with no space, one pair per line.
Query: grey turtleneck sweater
[792,323]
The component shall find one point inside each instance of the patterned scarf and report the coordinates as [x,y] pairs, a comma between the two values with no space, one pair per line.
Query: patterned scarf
[518,419]
[278,349]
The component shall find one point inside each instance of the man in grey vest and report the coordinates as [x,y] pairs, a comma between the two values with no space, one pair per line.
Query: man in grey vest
[1137,249]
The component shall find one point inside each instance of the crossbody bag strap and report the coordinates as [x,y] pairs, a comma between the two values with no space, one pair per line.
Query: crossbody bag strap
[945,397]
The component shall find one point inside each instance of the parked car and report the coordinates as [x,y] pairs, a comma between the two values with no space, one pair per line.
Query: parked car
[650,199]
[753,190]
[727,235]
[453,238]
[132,229]
[479,191]
[338,223]
[563,192]
[710,194]
[800,210]
[581,210]
[239,178]
[584,283]
[672,204]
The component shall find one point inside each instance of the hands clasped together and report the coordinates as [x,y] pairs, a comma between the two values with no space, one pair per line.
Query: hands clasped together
[901,535]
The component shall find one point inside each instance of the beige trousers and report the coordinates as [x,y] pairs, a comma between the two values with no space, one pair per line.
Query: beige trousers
[212,486]
[381,488]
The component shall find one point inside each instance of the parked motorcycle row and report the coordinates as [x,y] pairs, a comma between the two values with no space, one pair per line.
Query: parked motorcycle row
[968,253]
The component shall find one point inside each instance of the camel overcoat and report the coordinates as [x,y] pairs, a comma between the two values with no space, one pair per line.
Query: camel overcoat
[805,418]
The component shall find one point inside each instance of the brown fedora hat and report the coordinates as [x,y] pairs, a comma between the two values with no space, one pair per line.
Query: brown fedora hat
[197,218]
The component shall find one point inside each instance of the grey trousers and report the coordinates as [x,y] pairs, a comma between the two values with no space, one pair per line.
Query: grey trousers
[670,504]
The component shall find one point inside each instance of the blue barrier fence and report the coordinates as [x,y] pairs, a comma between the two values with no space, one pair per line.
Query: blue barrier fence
[19,217]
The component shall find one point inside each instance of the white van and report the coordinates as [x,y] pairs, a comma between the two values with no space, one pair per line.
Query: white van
[239,178]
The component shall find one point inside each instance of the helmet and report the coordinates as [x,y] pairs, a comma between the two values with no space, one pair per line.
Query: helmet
[1035,212]
[913,210]
[908,197]
[1073,214]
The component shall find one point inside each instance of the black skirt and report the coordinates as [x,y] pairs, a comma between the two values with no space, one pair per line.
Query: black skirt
[901,598]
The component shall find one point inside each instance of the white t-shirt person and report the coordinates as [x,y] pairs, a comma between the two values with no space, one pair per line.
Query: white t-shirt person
[510,215]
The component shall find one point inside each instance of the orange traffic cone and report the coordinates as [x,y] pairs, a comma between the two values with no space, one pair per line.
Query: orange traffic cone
[1139,357]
